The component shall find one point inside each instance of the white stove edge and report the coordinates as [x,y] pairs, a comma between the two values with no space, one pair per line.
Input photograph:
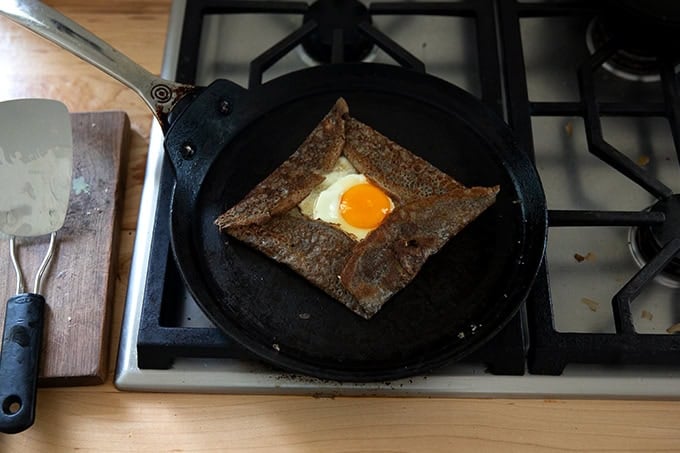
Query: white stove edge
[468,381]
[127,350]
[240,377]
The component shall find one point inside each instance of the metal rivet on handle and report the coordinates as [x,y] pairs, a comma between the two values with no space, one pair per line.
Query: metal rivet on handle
[188,151]
[225,107]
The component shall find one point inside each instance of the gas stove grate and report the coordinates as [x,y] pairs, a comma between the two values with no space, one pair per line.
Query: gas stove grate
[550,350]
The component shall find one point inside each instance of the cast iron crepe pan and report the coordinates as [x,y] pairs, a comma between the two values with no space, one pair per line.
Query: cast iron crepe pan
[222,140]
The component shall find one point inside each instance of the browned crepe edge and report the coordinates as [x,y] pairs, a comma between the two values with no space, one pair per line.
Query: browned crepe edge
[295,178]
[398,171]
[393,254]
[316,250]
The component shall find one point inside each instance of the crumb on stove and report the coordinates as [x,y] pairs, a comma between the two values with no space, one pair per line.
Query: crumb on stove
[647,315]
[318,395]
[590,256]
[276,347]
[569,128]
[304,316]
[643,160]
[591,304]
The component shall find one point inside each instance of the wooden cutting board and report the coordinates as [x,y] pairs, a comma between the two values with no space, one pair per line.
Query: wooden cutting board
[78,286]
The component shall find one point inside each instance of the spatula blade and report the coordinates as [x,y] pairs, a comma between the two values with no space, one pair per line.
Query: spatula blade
[36,155]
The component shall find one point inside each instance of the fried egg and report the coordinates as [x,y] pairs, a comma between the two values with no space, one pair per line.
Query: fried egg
[349,201]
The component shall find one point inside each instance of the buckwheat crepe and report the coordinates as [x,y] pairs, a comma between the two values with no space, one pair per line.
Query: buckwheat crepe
[430,208]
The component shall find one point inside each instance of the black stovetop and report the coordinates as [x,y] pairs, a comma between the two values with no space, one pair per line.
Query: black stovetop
[531,340]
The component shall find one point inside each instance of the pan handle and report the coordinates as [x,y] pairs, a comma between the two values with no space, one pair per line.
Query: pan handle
[160,95]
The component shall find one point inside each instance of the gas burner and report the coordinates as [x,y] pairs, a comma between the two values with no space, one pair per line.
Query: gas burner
[647,241]
[630,62]
[337,36]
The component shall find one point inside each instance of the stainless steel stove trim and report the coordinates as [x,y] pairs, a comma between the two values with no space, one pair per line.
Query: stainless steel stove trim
[240,377]
[127,351]
[468,381]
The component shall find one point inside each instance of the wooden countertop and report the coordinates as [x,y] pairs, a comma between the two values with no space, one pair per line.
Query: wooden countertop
[101,418]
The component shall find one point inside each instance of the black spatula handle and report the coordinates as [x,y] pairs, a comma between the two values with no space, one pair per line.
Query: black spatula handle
[19,359]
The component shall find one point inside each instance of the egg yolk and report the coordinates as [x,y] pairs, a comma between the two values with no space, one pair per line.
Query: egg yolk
[364,206]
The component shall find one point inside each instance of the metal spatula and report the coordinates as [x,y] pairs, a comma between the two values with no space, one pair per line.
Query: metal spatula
[36,155]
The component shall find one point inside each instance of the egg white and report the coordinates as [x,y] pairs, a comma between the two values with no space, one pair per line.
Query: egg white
[323,203]
[342,168]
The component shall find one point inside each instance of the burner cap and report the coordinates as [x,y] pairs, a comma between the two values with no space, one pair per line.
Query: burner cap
[651,239]
[333,16]
[635,62]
